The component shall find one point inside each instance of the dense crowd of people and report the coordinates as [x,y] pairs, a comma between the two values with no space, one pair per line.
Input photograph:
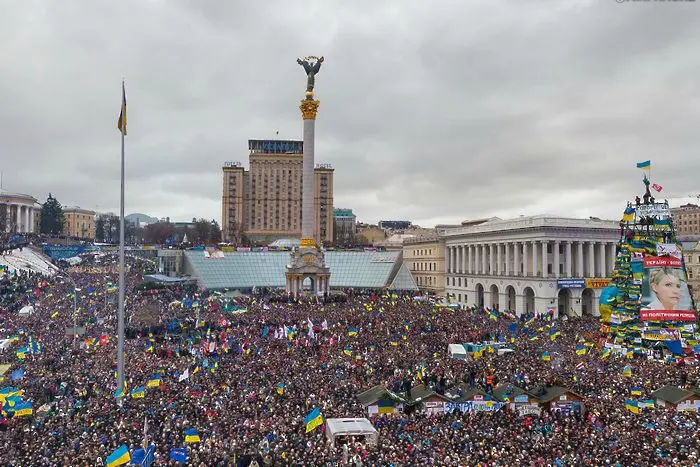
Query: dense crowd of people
[244,372]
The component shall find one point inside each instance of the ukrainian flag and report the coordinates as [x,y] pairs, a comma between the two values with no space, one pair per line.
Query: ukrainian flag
[313,420]
[631,406]
[352,332]
[636,391]
[119,457]
[628,215]
[394,342]
[627,371]
[553,334]
[192,436]
[138,393]
[121,122]
[386,406]
[153,381]
[149,348]
[24,409]
[119,392]
[546,356]
[280,388]
[646,165]
[605,353]
[580,350]
[347,351]
[648,403]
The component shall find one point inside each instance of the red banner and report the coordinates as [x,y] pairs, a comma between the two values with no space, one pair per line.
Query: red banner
[667,315]
[661,262]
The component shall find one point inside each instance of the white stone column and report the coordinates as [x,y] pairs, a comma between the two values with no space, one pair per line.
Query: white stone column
[507,246]
[611,259]
[31,220]
[463,261]
[545,258]
[499,259]
[452,260]
[567,260]
[526,259]
[557,260]
[579,259]
[591,259]
[458,253]
[516,258]
[534,258]
[601,259]
[469,259]
[484,270]
[18,218]
[491,261]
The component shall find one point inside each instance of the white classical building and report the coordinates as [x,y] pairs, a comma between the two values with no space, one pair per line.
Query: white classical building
[531,264]
[19,212]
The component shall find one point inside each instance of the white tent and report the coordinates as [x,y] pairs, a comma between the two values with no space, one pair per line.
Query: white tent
[27,310]
[336,427]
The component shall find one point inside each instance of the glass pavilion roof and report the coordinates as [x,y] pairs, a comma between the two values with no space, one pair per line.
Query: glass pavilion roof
[245,270]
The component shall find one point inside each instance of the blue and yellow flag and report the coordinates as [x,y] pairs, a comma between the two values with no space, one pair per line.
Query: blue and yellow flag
[24,409]
[153,381]
[554,333]
[280,388]
[121,122]
[192,436]
[313,420]
[546,356]
[138,393]
[636,391]
[627,371]
[348,350]
[580,350]
[646,165]
[352,332]
[119,457]
[631,406]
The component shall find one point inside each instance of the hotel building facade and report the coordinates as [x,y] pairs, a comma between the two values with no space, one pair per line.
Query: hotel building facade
[264,203]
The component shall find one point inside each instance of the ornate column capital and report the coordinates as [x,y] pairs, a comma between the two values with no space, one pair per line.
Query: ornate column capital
[308,109]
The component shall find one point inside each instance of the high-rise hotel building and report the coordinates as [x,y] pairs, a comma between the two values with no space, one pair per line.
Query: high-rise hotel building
[264,203]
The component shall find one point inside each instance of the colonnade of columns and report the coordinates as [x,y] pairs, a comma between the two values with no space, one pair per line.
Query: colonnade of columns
[19,218]
[320,284]
[533,258]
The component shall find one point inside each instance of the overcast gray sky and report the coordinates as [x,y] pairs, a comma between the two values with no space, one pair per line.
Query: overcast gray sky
[432,111]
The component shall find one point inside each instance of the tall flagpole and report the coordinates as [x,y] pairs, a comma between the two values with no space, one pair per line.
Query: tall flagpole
[120,325]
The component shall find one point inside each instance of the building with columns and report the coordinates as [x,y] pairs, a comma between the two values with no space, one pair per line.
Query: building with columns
[18,212]
[531,264]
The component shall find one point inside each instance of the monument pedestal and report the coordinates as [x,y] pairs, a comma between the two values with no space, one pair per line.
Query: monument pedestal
[308,262]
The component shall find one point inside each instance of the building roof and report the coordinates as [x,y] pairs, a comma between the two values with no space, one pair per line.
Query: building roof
[528,222]
[509,390]
[375,394]
[77,209]
[552,392]
[11,194]
[671,394]
[245,270]
[350,426]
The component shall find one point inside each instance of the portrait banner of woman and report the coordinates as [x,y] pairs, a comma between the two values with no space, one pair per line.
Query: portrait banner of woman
[665,294]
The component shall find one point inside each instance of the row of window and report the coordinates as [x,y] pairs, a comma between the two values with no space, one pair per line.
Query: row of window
[424,267]
[423,252]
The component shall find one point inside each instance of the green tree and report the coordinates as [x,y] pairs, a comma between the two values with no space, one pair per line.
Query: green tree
[214,232]
[51,216]
[100,229]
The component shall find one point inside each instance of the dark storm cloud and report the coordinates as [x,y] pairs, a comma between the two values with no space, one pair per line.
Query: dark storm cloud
[430,111]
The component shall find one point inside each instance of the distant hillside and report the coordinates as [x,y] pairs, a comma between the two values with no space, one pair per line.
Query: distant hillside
[142,218]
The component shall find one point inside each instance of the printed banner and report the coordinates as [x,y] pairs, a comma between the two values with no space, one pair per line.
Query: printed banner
[669,249]
[665,289]
[597,283]
[63,251]
[571,283]
[473,406]
[667,315]
[646,210]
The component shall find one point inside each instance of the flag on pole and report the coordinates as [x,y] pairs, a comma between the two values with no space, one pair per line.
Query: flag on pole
[646,165]
[121,123]
[657,187]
